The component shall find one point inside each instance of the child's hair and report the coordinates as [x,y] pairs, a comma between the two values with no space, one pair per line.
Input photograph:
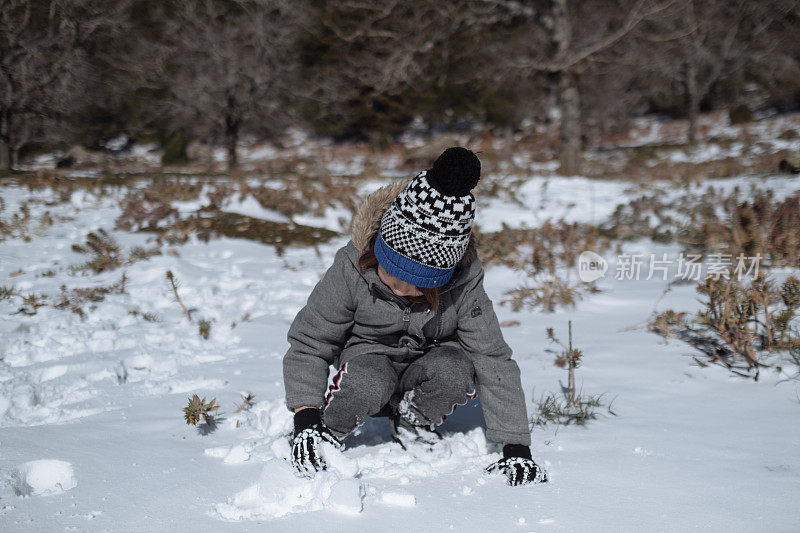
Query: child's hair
[367,260]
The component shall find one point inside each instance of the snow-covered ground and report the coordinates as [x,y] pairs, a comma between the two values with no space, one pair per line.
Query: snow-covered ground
[92,437]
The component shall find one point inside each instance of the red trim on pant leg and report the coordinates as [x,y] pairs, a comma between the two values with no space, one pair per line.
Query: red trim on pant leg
[335,386]
[470,395]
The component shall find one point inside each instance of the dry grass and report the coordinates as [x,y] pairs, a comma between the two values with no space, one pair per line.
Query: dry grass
[106,253]
[546,248]
[142,209]
[733,224]
[76,299]
[247,403]
[73,300]
[543,253]
[642,165]
[30,302]
[213,224]
[151,210]
[555,409]
[204,328]
[105,250]
[305,194]
[22,225]
[544,294]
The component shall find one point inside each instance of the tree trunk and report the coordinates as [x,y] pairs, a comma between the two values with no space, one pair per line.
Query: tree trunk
[692,100]
[5,157]
[231,139]
[6,153]
[690,76]
[551,105]
[508,142]
[568,97]
[570,124]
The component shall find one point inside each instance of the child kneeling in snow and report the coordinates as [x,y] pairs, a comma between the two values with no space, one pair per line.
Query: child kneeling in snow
[403,315]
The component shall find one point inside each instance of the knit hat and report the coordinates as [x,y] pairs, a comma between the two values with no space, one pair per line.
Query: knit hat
[425,231]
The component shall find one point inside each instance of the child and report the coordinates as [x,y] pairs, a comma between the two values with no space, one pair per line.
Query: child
[403,315]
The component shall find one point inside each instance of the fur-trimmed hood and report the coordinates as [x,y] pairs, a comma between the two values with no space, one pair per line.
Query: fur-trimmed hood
[367,219]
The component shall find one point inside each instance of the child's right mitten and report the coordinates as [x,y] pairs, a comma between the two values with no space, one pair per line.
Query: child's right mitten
[309,434]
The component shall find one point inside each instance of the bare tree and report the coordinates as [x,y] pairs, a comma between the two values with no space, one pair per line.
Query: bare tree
[560,40]
[370,62]
[720,40]
[229,67]
[43,63]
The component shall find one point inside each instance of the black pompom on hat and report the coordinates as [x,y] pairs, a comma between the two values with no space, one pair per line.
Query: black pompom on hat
[456,172]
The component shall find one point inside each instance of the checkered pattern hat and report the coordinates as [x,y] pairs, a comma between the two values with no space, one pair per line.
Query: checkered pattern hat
[425,231]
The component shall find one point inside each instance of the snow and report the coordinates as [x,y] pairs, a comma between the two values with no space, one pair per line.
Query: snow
[573,199]
[398,499]
[690,447]
[117,143]
[250,207]
[280,492]
[43,477]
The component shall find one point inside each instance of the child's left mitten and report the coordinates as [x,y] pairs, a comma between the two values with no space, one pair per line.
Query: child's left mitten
[518,466]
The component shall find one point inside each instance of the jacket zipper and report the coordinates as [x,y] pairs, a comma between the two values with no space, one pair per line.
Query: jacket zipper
[400,303]
[438,328]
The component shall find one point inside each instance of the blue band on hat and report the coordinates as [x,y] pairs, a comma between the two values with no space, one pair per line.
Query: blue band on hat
[409,270]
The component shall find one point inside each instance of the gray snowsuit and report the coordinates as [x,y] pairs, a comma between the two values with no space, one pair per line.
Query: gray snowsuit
[383,344]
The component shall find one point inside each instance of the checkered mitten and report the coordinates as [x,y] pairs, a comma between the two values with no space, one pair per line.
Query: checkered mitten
[518,466]
[309,434]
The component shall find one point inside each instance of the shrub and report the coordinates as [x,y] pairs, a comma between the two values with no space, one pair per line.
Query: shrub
[198,409]
[554,409]
[75,299]
[142,209]
[712,222]
[247,403]
[204,328]
[543,252]
[19,225]
[105,250]
[574,406]
[31,302]
[738,323]
[546,294]
[173,284]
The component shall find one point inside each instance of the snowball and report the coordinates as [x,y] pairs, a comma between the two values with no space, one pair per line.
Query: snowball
[278,484]
[338,462]
[345,497]
[280,492]
[45,476]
